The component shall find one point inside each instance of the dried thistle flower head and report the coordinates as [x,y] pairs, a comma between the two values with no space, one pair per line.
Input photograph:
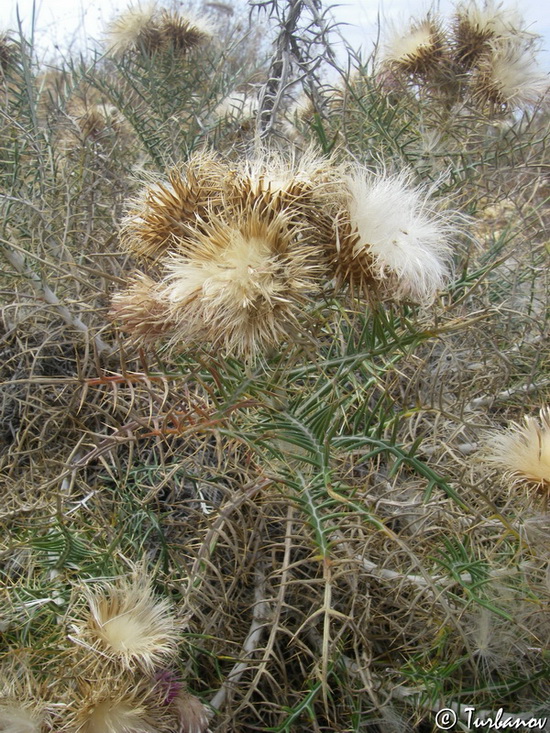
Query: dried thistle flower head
[165,214]
[238,105]
[151,30]
[125,623]
[186,712]
[141,310]
[22,706]
[181,33]
[134,29]
[417,51]
[18,718]
[189,712]
[476,24]
[508,76]
[112,706]
[242,284]
[8,51]
[523,450]
[392,239]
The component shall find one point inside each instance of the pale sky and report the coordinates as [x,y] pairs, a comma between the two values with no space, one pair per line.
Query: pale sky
[77,22]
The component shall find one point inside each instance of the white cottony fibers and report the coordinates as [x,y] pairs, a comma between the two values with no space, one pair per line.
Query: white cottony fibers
[523,450]
[406,239]
[410,46]
[510,75]
[125,30]
[490,18]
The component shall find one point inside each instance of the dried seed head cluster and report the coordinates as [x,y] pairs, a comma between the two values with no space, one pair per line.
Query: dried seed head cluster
[487,57]
[523,450]
[123,622]
[242,249]
[150,29]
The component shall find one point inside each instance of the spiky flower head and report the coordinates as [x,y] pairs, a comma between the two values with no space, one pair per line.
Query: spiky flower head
[112,706]
[392,239]
[134,29]
[142,311]
[523,450]
[8,52]
[22,709]
[243,283]
[124,623]
[150,29]
[508,76]
[167,213]
[181,33]
[238,105]
[417,51]
[477,23]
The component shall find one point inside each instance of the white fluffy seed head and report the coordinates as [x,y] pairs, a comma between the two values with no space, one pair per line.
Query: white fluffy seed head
[490,18]
[406,240]
[417,50]
[509,75]
[125,31]
[523,450]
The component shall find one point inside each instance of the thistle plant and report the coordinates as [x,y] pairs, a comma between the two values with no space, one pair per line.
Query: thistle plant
[272,449]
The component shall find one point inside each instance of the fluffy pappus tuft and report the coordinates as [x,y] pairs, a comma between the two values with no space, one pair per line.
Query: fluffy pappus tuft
[122,622]
[508,76]
[166,213]
[243,283]
[523,450]
[417,51]
[392,238]
[189,712]
[134,29]
[476,24]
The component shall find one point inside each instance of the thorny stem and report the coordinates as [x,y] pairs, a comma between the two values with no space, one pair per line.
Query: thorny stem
[260,614]
[46,293]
